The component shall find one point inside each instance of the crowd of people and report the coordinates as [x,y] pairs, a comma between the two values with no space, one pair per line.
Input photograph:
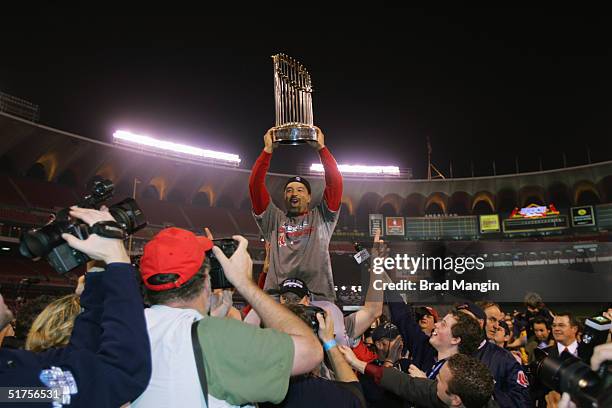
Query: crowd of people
[160,336]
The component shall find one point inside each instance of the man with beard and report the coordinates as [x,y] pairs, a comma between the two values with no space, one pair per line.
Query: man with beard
[300,236]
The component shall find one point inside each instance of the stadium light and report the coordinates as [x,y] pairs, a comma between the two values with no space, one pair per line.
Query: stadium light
[129,138]
[360,169]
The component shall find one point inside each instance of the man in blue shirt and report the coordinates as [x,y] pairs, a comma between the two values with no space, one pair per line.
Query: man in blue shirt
[108,360]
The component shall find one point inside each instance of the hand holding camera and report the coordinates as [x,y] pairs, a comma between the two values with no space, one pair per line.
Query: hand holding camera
[96,247]
[326,327]
[239,267]
[50,242]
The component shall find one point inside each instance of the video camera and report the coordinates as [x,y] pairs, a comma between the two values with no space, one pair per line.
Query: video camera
[47,241]
[568,373]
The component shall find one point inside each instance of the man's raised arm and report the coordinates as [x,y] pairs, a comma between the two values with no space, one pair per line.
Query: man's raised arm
[260,198]
[373,306]
[307,349]
[333,179]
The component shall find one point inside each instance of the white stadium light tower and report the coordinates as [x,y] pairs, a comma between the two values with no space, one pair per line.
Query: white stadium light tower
[127,138]
[357,169]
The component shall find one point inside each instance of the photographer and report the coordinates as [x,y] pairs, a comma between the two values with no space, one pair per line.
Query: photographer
[565,328]
[107,361]
[312,389]
[200,359]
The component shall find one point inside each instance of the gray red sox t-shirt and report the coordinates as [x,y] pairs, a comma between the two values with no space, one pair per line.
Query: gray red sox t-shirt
[300,247]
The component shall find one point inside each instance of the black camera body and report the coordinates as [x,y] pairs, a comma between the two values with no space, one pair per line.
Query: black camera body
[47,241]
[309,315]
[217,277]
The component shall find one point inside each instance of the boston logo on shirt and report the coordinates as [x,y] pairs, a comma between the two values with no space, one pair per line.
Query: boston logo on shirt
[61,380]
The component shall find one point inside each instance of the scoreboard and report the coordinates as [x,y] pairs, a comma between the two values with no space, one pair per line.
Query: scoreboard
[556,222]
[436,228]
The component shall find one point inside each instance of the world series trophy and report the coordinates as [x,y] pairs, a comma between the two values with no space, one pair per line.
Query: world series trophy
[293,100]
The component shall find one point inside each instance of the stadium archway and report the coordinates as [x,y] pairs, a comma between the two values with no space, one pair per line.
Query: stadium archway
[346,219]
[37,171]
[585,193]
[506,200]
[367,205]
[436,204]
[605,186]
[150,193]
[413,205]
[558,194]
[49,161]
[205,197]
[201,199]
[390,205]
[161,184]
[107,171]
[483,203]
[532,195]
[348,205]
[459,203]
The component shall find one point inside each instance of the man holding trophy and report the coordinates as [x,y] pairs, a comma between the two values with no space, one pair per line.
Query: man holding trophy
[299,238]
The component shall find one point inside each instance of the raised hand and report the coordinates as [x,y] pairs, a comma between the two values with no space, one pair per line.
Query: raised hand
[349,355]
[97,247]
[326,327]
[415,372]
[269,143]
[395,350]
[320,142]
[380,248]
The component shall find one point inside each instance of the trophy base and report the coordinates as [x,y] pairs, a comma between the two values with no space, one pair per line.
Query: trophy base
[294,134]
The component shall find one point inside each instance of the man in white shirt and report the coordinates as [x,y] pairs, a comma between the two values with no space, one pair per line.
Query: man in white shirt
[242,364]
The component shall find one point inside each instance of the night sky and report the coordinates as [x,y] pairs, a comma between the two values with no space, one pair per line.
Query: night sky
[485,85]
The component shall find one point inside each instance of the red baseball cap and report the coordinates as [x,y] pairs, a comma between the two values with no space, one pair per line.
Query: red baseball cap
[176,251]
[432,312]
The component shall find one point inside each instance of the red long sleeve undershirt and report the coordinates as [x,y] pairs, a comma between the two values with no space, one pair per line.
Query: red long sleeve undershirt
[374,371]
[260,198]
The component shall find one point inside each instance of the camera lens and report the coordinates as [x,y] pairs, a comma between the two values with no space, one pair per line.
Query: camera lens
[569,374]
[128,214]
[42,241]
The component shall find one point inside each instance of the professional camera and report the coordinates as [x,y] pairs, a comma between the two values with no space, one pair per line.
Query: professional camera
[567,373]
[310,313]
[217,277]
[47,241]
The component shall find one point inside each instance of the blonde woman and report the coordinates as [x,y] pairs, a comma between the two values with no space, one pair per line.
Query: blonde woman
[53,326]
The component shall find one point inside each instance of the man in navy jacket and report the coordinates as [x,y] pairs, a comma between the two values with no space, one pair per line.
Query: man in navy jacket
[108,360]
[423,354]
